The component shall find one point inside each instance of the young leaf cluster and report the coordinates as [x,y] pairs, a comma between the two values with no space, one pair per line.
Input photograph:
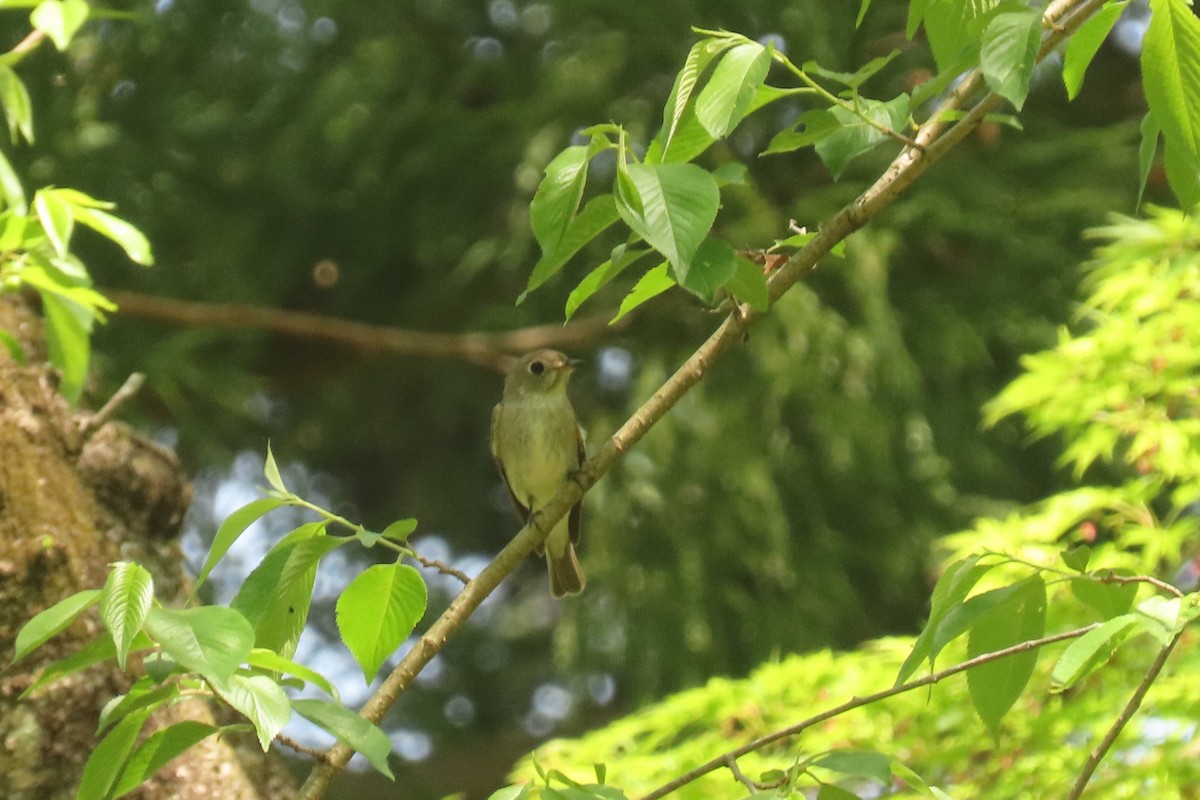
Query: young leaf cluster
[35,237]
[240,655]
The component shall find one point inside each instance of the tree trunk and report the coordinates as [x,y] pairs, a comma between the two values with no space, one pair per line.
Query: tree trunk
[73,500]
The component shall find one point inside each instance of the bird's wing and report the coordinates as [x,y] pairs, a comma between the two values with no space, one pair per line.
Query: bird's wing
[522,509]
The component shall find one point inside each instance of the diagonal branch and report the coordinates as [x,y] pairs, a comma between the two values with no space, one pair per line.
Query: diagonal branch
[932,142]
[858,702]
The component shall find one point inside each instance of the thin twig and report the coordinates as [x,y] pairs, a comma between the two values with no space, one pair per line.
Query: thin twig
[90,424]
[442,567]
[906,168]
[1161,585]
[312,752]
[731,762]
[491,350]
[859,702]
[1131,707]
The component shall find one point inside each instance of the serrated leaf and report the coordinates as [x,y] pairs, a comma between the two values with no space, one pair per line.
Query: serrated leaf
[862,763]
[212,641]
[129,238]
[1009,53]
[698,58]
[996,685]
[57,219]
[124,603]
[276,596]
[96,651]
[712,267]
[68,328]
[622,257]
[109,757]
[951,589]
[18,109]
[230,530]
[350,729]
[678,205]
[1108,599]
[47,624]
[60,19]
[651,285]
[260,700]
[1088,652]
[749,284]
[855,135]
[1085,43]
[597,215]
[1171,72]
[731,88]
[558,196]
[157,750]
[952,26]
[271,472]
[271,661]
[817,125]
[400,530]
[378,610]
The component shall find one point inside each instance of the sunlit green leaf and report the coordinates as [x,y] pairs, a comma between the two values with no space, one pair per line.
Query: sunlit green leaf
[1088,652]
[1010,47]
[158,749]
[212,641]
[1085,43]
[1171,73]
[377,611]
[350,729]
[233,527]
[712,267]
[18,109]
[596,216]
[60,19]
[726,98]
[652,284]
[678,204]
[260,700]
[108,758]
[124,603]
[996,685]
[49,623]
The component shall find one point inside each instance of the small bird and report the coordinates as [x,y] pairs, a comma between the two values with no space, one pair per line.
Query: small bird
[537,444]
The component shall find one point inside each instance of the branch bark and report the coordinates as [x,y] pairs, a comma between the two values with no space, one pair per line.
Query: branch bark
[491,350]
[933,140]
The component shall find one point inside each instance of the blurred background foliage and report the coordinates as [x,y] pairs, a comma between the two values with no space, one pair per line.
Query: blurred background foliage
[374,162]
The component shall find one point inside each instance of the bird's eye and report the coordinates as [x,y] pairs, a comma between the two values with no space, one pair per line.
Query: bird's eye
[537,368]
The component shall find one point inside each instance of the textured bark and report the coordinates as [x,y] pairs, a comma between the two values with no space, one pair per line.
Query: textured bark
[70,504]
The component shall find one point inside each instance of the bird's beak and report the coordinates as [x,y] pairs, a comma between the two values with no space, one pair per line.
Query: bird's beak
[572,363]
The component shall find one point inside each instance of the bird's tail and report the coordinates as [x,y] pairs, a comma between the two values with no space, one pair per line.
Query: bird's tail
[565,575]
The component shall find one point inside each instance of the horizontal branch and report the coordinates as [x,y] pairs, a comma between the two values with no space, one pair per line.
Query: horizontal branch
[492,350]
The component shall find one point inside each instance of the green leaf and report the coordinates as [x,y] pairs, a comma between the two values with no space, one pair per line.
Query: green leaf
[1009,54]
[996,685]
[674,209]
[817,125]
[10,187]
[1077,557]
[731,173]
[712,267]
[49,623]
[124,603]
[862,13]
[1108,599]
[653,283]
[261,700]
[862,763]
[271,472]
[68,326]
[276,596]
[698,58]
[749,284]
[145,693]
[1149,144]
[518,791]
[829,791]
[1085,43]
[56,217]
[1088,652]
[18,109]
[952,587]
[1171,72]
[212,641]
[378,610]
[271,661]
[232,528]
[1183,173]
[400,530]
[130,239]
[856,136]
[1159,617]
[350,729]
[854,79]
[689,141]
[96,651]
[596,216]
[952,26]
[60,19]
[13,348]
[158,749]
[731,88]
[622,256]
[108,759]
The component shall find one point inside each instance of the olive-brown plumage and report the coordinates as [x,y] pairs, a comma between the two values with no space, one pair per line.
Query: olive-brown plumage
[537,444]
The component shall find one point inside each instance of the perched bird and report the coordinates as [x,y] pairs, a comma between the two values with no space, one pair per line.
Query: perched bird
[537,444]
